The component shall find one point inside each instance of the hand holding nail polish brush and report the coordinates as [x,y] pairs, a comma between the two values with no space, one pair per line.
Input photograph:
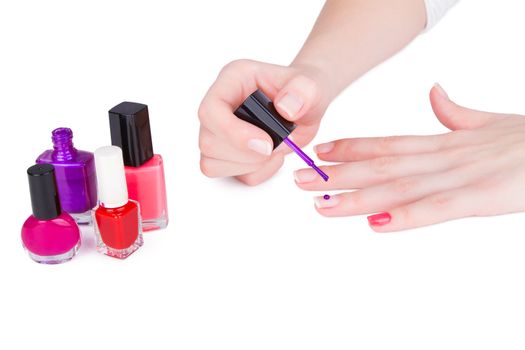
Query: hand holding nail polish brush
[259,110]
[229,147]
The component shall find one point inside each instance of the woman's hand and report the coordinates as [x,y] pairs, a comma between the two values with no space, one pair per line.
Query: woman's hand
[232,147]
[478,169]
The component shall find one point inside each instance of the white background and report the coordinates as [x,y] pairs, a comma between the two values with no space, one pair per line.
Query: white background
[240,267]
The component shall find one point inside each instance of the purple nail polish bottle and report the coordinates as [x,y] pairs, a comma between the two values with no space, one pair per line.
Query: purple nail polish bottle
[75,175]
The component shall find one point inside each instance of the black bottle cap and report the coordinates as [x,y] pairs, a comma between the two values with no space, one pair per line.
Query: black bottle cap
[44,193]
[259,110]
[130,130]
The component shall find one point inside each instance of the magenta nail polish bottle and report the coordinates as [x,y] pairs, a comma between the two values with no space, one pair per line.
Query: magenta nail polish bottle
[75,175]
[50,235]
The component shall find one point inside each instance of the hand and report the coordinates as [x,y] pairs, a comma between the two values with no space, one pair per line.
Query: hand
[478,169]
[232,147]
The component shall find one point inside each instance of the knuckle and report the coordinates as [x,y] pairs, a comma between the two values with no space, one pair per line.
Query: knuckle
[205,144]
[382,165]
[456,137]
[404,215]
[336,171]
[387,143]
[305,79]
[440,201]
[449,139]
[454,152]
[487,184]
[202,112]
[250,180]
[309,85]
[227,128]
[240,65]
[404,185]
[354,199]
[346,147]
[206,168]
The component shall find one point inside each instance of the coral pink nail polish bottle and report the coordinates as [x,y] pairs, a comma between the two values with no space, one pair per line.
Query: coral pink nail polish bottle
[130,130]
[116,219]
[50,235]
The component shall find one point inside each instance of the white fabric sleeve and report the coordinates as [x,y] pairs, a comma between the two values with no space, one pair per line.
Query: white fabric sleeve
[436,9]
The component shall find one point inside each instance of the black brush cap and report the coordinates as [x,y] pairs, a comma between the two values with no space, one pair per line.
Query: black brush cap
[43,190]
[130,130]
[259,110]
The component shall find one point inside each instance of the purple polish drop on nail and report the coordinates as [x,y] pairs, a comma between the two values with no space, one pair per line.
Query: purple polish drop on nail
[304,157]
[326,197]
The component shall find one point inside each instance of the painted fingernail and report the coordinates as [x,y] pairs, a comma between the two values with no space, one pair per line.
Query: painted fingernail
[326,201]
[379,219]
[260,146]
[441,91]
[305,175]
[290,104]
[324,147]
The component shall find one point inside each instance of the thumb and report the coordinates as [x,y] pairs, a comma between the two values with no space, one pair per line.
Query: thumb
[456,117]
[297,97]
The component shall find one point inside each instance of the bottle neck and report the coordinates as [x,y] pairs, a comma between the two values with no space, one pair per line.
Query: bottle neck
[63,145]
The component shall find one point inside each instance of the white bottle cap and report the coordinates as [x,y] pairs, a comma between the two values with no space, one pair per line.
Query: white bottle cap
[111,179]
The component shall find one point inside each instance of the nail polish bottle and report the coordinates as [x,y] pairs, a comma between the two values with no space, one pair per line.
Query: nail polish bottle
[118,228]
[50,235]
[75,175]
[130,130]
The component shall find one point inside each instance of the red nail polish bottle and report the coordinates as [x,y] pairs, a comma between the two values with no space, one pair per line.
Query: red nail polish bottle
[130,130]
[116,219]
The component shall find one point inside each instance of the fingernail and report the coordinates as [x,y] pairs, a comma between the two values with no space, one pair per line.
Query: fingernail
[324,147]
[290,105]
[305,175]
[260,146]
[326,202]
[441,91]
[379,219]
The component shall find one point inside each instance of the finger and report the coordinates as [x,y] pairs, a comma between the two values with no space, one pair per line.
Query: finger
[221,168]
[297,97]
[439,207]
[348,150]
[265,172]
[212,146]
[392,194]
[456,117]
[355,175]
[234,84]
[217,116]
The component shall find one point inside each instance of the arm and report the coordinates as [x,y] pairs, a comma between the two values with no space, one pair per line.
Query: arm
[351,37]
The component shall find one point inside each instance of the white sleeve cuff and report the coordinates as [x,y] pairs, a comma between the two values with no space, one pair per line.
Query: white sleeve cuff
[436,9]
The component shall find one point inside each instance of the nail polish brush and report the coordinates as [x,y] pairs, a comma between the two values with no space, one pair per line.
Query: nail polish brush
[259,110]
